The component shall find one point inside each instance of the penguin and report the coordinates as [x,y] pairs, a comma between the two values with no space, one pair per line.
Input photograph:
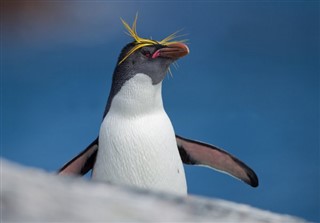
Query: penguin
[137,144]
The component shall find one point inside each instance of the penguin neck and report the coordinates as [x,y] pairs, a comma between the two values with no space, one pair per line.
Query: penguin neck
[138,96]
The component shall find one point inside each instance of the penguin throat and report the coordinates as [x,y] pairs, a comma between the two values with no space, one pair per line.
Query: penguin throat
[138,96]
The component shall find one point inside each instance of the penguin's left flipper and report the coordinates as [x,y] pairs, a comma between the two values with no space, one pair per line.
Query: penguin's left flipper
[82,163]
[198,153]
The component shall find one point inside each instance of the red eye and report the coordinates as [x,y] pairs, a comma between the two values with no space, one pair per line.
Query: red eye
[146,54]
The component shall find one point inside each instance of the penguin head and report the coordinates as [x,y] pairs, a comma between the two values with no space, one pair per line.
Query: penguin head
[153,60]
[144,56]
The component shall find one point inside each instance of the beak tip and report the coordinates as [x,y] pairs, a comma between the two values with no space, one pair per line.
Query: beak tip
[187,49]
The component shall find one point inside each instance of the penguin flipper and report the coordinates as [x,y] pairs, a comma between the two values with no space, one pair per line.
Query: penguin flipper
[198,153]
[82,163]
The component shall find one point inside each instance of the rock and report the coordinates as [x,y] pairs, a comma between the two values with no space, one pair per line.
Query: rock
[31,195]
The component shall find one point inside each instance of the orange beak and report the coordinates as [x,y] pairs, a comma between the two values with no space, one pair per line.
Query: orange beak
[173,51]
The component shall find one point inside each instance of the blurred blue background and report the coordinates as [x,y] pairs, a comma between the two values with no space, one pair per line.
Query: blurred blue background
[250,85]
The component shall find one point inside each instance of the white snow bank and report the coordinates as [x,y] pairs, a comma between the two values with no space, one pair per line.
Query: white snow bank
[31,195]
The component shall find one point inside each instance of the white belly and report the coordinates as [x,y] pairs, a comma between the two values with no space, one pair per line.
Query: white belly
[140,150]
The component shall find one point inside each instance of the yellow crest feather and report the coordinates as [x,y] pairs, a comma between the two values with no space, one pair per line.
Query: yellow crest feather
[142,42]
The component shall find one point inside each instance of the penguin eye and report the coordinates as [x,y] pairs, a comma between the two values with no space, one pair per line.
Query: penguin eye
[146,54]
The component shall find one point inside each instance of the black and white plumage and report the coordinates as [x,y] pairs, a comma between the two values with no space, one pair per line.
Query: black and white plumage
[137,144]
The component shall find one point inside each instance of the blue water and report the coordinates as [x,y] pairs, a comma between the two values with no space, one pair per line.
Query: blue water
[250,85]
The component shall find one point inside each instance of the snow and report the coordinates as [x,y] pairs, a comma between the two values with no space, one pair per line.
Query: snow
[32,195]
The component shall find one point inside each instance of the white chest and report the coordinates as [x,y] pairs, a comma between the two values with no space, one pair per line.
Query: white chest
[137,144]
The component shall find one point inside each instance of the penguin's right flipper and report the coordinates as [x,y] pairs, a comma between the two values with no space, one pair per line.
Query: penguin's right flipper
[82,163]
